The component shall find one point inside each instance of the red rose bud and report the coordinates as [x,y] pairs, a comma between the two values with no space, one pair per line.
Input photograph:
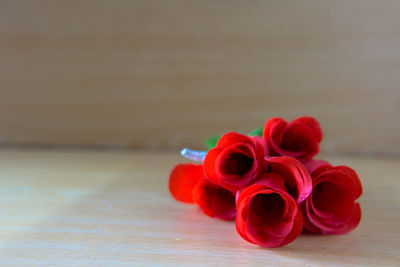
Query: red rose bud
[267,215]
[182,180]
[187,184]
[331,208]
[296,177]
[214,200]
[299,138]
[235,162]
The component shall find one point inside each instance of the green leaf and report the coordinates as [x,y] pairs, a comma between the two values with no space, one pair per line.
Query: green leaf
[212,141]
[258,132]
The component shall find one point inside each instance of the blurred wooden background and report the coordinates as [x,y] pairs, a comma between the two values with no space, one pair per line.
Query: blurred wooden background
[167,74]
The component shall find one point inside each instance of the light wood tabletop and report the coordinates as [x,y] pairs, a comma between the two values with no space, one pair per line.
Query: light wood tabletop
[110,208]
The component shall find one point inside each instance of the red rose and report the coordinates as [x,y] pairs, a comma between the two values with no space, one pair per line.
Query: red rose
[299,138]
[331,208]
[187,184]
[235,162]
[267,215]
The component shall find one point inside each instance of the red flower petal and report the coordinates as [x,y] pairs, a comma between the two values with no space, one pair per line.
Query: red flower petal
[232,138]
[331,207]
[237,165]
[296,176]
[214,200]
[235,162]
[299,138]
[353,222]
[183,179]
[314,164]
[261,141]
[267,215]
[273,133]
[209,164]
[271,180]
[332,204]
[356,184]
[314,126]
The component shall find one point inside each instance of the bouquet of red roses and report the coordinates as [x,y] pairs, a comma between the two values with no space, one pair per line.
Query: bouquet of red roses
[269,183]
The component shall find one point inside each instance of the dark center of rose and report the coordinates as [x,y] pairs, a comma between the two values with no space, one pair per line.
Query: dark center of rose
[266,209]
[238,163]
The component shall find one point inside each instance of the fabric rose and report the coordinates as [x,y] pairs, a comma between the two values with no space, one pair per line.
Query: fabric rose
[267,215]
[331,208]
[187,184]
[235,162]
[299,138]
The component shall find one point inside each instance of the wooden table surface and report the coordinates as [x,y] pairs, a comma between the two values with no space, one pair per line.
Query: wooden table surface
[63,208]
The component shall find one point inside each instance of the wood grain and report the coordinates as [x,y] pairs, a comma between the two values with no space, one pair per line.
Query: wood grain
[114,209]
[167,74]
